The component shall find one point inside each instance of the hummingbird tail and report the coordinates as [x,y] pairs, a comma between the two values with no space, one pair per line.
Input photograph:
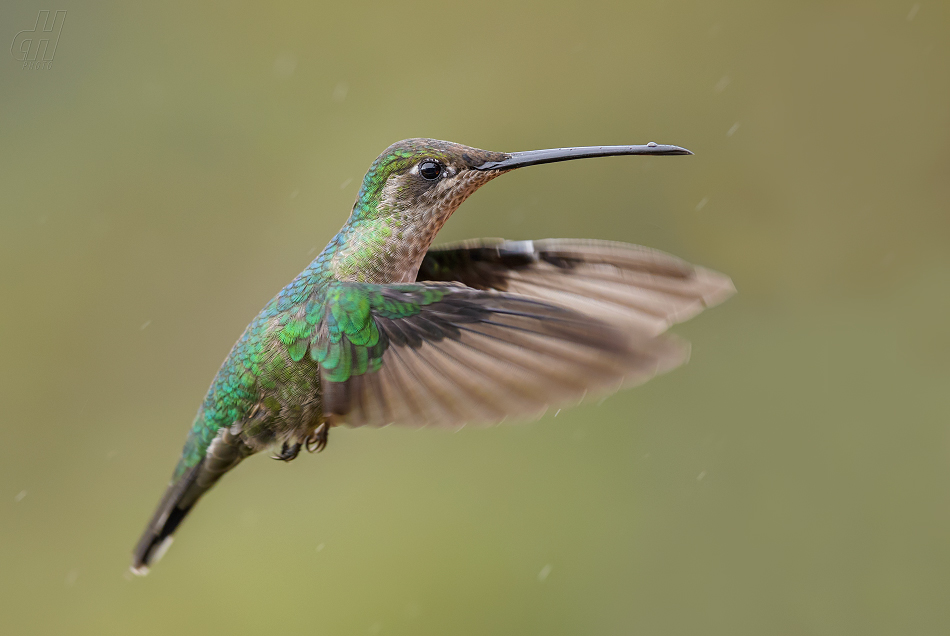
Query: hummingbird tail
[157,537]
[225,452]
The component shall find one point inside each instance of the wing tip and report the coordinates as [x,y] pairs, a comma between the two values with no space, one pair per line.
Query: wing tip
[717,288]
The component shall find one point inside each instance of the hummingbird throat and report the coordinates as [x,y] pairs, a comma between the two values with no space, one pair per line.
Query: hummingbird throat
[388,244]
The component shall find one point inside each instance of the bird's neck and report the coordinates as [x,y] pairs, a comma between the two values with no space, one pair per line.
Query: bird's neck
[385,248]
[385,239]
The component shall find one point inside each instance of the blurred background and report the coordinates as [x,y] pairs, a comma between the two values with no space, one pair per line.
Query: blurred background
[178,164]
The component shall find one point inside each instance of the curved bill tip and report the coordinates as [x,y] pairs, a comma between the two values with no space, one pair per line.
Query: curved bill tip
[551,155]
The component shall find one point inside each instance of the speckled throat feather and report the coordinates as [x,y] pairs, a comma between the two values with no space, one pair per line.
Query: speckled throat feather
[387,247]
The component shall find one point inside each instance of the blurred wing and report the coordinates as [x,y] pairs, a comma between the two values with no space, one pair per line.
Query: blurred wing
[624,284]
[446,355]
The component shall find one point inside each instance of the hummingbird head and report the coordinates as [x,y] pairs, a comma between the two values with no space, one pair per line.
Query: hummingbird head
[429,179]
[414,187]
[423,178]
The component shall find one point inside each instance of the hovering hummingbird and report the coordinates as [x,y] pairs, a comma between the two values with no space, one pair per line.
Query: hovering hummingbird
[383,329]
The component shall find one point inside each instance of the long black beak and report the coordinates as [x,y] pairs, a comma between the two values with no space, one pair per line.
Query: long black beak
[535,157]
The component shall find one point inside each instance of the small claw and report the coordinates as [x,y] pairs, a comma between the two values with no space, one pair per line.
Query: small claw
[318,439]
[288,452]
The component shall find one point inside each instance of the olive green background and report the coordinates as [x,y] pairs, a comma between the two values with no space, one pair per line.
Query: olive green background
[180,163]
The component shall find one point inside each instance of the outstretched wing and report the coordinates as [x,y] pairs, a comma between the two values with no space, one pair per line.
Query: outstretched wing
[443,354]
[628,285]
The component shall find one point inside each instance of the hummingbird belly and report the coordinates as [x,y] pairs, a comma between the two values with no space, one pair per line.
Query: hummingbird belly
[289,408]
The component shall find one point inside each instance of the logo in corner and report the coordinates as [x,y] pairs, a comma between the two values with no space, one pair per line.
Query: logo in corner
[35,47]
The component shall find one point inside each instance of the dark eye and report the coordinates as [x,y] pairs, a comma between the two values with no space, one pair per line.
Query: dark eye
[430,170]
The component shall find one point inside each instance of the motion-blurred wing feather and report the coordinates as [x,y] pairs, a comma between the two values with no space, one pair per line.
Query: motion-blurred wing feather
[629,285]
[446,355]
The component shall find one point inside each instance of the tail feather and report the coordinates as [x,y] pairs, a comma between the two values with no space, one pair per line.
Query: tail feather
[225,452]
[158,534]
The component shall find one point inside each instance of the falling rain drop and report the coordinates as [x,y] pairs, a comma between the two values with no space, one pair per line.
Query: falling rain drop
[340,91]
[545,571]
[285,65]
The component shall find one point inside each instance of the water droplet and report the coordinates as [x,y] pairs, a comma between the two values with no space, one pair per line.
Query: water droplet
[285,64]
[340,91]
[652,144]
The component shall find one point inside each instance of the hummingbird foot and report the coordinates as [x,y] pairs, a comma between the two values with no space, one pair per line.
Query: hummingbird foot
[318,439]
[288,452]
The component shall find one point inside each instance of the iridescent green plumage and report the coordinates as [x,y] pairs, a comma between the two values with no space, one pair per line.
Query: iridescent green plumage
[381,329]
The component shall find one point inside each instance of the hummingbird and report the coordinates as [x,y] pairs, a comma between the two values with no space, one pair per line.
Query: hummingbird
[382,328]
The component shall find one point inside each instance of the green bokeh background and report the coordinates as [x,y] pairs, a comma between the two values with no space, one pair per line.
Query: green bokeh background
[179,163]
